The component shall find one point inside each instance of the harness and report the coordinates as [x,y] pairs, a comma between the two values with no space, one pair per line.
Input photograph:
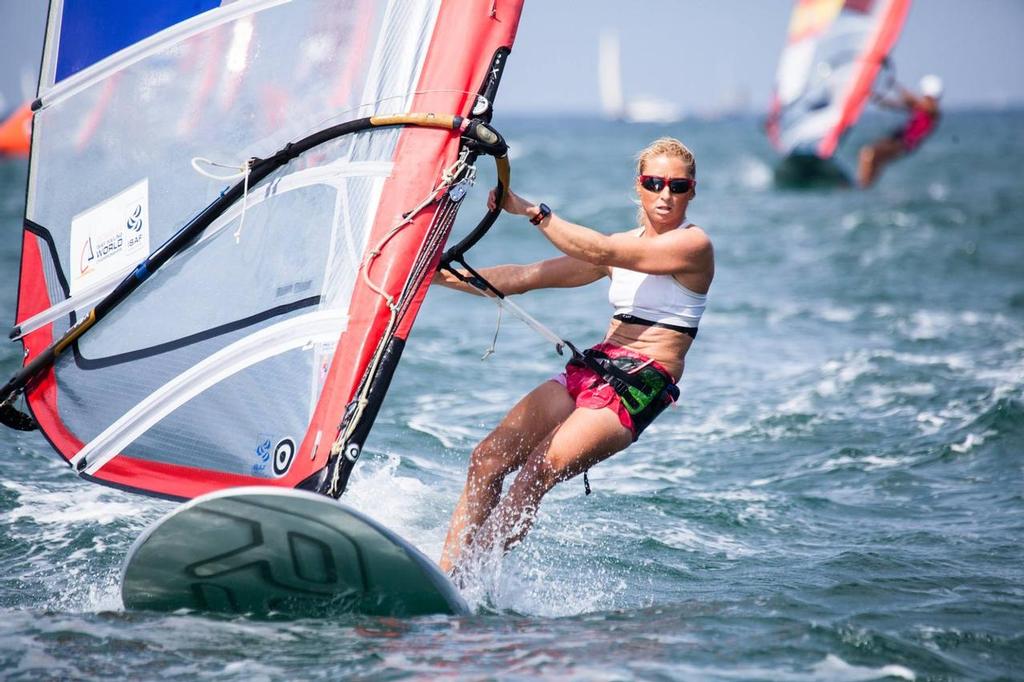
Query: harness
[637,384]
[644,390]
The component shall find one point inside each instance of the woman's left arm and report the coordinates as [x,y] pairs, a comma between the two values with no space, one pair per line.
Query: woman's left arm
[675,252]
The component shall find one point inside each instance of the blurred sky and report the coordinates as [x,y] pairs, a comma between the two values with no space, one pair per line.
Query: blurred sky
[700,54]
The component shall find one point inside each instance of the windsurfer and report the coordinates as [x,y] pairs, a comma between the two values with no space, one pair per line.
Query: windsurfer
[660,274]
[923,117]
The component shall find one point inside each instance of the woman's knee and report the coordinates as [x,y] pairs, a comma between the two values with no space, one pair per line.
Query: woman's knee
[491,461]
[544,472]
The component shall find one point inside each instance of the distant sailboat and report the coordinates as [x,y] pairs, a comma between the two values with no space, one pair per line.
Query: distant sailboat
[641,109]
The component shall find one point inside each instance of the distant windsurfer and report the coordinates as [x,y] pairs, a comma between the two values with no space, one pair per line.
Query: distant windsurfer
[660,274]
[923,117]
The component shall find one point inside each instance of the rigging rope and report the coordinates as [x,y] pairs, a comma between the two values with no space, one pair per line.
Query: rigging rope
[243,171]
[449,177]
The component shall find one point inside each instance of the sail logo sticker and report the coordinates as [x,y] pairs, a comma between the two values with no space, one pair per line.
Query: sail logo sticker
[284,454]
[278,458]
[109,237]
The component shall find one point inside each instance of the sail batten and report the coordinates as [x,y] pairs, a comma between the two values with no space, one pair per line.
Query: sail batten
[317,327]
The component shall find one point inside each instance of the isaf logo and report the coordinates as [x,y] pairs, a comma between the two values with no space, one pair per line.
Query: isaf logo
[134,219]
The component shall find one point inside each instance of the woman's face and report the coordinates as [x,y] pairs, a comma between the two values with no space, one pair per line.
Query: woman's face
[663,208]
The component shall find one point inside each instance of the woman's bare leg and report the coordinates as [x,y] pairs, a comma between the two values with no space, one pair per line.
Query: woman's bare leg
[504,450]
[587,437]
[874,158]
[865,166]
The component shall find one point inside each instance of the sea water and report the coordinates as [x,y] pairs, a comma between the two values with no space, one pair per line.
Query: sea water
[839,494]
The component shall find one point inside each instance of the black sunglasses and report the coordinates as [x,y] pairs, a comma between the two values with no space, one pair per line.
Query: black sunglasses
[656,183]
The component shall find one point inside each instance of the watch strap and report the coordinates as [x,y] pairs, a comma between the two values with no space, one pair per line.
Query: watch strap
[543,211]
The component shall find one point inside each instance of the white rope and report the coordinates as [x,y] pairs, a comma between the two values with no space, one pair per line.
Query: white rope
[242,171]
[494,341]
[447,178]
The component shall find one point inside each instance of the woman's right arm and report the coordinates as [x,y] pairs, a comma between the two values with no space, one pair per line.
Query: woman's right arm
[561,272]
[903,99]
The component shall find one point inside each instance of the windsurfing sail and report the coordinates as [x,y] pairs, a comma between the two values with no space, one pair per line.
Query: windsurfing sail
[833,54]
[609,76]
[259,352]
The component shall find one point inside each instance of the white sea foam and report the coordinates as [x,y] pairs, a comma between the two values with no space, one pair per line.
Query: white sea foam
[929,324]
[865,463]
[832,313]
[403,504]
[835,668]
[830,669]
[535,578]
[724,423]
[782,312]
[636,473]
[61,507]
[971,441]
[454,421]
[679,535]
[759,506]
[920,389]
[930,423]
[56,520]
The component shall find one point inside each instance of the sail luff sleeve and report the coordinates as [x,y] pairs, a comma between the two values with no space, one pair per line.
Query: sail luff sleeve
[461,50]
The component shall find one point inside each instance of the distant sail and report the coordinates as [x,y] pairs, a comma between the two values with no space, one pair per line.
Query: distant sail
[614,105]
[239,360]
[15,132]
[609,75]
[833,53]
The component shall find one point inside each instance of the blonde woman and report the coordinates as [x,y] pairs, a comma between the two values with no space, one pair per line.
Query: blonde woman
[660,274]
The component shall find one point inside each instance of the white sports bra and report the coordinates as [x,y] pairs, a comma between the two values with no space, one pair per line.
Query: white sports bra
[658,300]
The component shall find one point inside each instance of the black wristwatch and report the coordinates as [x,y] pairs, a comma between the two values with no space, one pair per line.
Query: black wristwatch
[543,211]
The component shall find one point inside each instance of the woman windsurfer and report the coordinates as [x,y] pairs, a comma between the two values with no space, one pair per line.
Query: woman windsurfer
[922,118]
[660,274]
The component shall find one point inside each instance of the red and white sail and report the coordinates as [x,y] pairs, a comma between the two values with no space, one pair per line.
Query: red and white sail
[834,51]
[236,363]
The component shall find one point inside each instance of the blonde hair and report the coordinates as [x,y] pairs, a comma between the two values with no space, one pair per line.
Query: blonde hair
[664,146]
